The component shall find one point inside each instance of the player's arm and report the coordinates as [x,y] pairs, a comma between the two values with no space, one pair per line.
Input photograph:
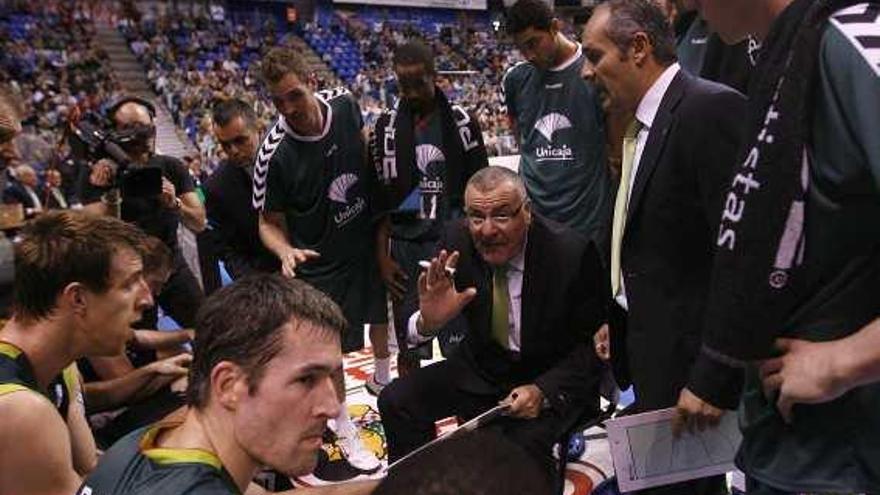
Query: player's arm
[82,442]
[273,233]
[138,383]
[192,212]
[36,456]
[158,340]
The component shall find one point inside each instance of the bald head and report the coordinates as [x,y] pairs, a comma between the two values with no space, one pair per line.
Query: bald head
[131,113]
[26,175]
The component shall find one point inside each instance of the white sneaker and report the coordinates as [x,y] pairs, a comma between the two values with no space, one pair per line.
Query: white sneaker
[374,387]
[357,455]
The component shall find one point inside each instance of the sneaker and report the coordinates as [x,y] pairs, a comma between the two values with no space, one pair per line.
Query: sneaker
[357,455]
[374,387]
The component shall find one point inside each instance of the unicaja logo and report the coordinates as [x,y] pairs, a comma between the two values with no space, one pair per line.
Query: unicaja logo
[550,123]
[427,154]
[547,126]
[338,193]
[339,188]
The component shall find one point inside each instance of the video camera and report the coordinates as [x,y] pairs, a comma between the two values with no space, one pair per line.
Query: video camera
[92,137]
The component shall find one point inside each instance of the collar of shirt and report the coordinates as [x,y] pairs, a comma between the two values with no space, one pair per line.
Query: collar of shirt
[518,262]
[566,64]
[650,103]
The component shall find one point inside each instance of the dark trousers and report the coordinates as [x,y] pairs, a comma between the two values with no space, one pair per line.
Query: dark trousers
[181,297]
[409,406]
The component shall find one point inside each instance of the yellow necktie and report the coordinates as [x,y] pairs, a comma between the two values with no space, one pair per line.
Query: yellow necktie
[500,305]
[622,202]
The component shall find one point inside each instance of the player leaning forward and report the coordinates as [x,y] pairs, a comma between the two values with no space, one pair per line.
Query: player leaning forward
[311,184]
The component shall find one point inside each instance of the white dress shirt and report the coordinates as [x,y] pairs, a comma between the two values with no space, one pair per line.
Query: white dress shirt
[645,114]
[38,205]
[514,311]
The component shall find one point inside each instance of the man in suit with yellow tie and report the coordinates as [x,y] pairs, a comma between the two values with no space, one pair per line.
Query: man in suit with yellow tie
[678,153]
[532,293]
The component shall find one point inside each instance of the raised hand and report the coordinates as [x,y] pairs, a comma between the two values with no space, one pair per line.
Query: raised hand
[439,300]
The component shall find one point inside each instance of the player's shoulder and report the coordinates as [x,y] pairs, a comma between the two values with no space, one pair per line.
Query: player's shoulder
[849,42]
[27,412]
[273,141]
[515,74]
[336,97]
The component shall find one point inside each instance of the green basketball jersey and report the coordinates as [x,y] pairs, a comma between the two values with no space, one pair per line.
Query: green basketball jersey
[16,374]
[835,446]
[428,203]
[321,184]
[135,466]
[562,143]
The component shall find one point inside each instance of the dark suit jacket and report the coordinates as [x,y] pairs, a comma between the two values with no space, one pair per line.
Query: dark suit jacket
[234,223]
[669,239]
[15,193]
[563,304]
[50,201]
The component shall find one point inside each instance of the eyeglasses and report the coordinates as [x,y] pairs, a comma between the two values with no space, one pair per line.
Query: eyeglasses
[502,219]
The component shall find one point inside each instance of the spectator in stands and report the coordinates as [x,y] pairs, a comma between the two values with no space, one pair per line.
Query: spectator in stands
[798,255]
[79,286]
[311,185]
[261,391]
[558,120]
[235,236]
[24,190]
[425,149]
[157,214]
[53,195]
[532,293]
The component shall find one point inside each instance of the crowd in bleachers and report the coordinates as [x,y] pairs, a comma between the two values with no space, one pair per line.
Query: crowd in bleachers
[189,59]
[52,61]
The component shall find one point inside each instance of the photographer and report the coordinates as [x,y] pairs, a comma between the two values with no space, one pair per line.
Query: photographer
[156,209]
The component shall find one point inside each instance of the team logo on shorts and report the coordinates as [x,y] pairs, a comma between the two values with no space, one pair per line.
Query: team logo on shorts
[338,193]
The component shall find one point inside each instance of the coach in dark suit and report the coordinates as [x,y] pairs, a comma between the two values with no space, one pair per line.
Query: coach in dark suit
[677,155]
[234,225]
[532,293]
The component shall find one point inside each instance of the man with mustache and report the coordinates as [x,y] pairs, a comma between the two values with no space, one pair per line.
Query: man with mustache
[798,257]
[532,293]
[663,226]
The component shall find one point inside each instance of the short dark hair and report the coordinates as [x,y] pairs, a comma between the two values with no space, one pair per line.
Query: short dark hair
[526,14]
[483,462]
[62,247]
[156,255]
[414,52]
[281,61]
[242,323]
[628,17]
[225,111]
